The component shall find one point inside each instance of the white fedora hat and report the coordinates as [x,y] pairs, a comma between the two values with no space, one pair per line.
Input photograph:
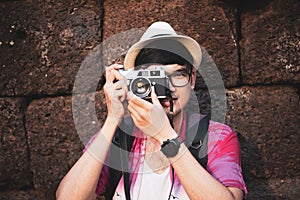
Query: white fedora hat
[159,32]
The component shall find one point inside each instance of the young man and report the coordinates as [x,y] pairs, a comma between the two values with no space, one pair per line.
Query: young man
[160,165]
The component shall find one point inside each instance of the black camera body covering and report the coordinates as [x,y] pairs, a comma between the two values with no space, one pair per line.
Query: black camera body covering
[141,81]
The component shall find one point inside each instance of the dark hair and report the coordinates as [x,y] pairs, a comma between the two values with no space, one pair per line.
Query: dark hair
[164,52]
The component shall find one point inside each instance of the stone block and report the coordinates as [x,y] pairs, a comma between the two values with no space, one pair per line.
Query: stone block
[24,195]
[267,120]
[210,23]
[58,129]
[274,189]
[54,144]
[14,153]
[270,48]
[43,44]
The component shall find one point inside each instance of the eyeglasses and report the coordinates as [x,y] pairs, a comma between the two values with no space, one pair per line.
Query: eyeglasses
[180,78]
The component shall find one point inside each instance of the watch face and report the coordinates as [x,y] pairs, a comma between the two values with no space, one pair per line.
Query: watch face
[170,147]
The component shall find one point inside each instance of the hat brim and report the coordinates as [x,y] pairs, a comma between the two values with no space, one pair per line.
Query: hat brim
[190,44]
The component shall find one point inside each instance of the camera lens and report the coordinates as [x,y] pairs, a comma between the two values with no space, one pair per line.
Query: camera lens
[141,87]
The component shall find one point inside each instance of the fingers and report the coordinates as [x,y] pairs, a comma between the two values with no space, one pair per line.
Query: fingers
[124,91]
[136,115]
[117,90]
[154,97]
[136,101]
[115,86]
[112,73]
[148,117]
[139,107]
[139,110]
[136,104]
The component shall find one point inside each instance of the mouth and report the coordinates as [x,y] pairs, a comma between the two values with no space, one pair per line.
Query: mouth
[166,102]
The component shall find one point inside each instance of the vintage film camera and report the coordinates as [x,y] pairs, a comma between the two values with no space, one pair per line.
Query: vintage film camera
[141,81]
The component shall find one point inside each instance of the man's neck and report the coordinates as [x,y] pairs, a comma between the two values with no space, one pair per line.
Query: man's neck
[177,121]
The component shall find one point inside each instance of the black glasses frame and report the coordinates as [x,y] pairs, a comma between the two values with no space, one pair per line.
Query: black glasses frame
[170,79]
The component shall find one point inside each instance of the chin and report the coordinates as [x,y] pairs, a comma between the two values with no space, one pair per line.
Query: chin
[176,111]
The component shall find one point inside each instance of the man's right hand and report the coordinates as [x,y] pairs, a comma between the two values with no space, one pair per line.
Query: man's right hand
[115,90]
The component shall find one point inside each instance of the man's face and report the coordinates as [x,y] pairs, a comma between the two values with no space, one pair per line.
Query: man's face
[182,81]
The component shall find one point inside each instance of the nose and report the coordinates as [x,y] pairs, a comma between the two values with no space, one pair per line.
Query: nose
[171,86]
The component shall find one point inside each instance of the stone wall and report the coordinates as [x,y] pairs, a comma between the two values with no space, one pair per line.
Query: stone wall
[43,45]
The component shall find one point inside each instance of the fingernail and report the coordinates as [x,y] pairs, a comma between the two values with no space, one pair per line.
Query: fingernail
[120,66]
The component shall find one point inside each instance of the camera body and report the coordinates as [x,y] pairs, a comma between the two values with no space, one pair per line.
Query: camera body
[141,81]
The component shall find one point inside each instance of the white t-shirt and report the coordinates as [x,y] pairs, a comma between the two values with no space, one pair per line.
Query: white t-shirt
[153,186]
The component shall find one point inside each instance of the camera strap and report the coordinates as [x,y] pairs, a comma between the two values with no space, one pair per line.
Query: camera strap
[171,116]
[171,113]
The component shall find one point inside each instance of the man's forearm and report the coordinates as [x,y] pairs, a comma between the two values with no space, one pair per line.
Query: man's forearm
[197,182]
[80,182]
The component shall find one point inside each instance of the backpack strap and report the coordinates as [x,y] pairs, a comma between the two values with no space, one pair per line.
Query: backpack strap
[118,159]
[197,137]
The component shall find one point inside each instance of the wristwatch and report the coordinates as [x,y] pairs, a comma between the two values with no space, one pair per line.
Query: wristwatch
[170,147]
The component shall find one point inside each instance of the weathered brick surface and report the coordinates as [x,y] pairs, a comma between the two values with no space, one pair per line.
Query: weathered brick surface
[21,195]
[271,46]
[54,140]
[274,189]
[207,22]
[267,120]
[89,112]
[14,160]
[43,44]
